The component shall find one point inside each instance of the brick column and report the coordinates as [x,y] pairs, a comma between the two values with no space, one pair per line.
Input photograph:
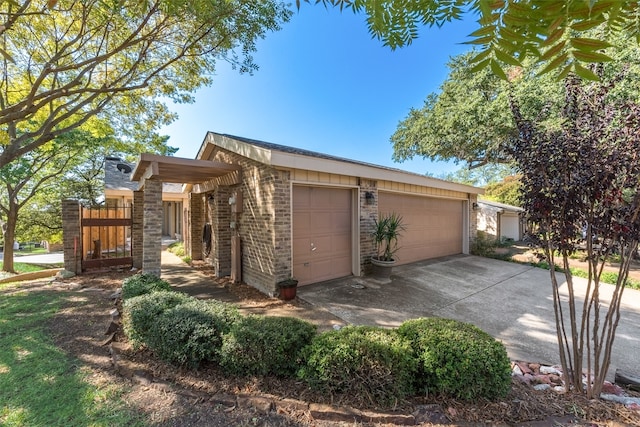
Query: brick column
[196,223]
[368,213]
[137,228]
[152,227]
[472,223]
[220,223]
[71,236]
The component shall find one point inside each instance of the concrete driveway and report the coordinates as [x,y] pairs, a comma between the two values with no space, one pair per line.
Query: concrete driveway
[512,302]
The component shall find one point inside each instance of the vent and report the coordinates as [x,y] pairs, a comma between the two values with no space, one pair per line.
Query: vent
[113,158]
[124,168]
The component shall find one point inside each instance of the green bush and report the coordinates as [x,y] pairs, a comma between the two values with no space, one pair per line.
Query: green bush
[141,284]
[484,245]
[141,312]
[458,359]
[177,248]
[361,360]
[263,345]
[191,333]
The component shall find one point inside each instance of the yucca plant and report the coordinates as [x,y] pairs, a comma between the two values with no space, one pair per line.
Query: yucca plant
[387,230]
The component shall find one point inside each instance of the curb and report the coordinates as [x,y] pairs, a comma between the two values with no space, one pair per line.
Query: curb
[41,274]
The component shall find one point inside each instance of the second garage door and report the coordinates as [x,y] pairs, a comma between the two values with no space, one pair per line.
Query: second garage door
[322,219]
[433,226]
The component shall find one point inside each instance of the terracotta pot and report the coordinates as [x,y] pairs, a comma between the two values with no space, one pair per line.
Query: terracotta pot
[288,289]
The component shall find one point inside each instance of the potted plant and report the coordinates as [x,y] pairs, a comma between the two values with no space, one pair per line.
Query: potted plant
[387,229]
[288,288]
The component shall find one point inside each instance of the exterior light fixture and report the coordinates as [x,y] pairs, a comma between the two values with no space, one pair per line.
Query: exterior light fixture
[369,197]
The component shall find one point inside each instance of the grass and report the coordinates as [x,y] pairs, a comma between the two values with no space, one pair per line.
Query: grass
[607,277]
[39,384]
[21,267]
[177,248]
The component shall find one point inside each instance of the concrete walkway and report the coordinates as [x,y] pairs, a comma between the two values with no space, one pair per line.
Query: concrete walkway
[184,278]
[512,302]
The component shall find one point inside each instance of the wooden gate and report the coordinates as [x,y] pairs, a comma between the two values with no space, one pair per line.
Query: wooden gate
[106,237]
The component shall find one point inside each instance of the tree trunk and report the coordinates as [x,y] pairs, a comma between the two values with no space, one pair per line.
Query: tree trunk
[10,237]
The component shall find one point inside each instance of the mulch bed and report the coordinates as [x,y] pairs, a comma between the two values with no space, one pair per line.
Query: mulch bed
[79,329]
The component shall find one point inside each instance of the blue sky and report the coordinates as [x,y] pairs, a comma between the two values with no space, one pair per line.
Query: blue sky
[324,85]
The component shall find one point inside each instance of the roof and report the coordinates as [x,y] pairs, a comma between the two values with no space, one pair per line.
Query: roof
[500,206]
[291,157]
[117,175]
[180,169]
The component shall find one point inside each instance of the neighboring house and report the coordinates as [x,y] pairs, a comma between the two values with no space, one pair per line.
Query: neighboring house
[119,188]
[268,212]
[500,220]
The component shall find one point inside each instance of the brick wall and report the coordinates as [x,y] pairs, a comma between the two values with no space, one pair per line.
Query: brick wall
[368,214]
[473,218]
[266,195]
[152,227]
[219,216]
[196,224]
[72,245]
[137,233]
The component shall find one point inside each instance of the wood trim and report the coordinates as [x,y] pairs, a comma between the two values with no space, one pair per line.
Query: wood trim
[106,222]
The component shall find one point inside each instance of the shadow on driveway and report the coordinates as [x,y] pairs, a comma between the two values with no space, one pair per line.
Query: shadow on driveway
[512,302]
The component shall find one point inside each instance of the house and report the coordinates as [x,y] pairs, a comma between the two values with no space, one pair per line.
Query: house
[500,220]
[264,212]
[119,188]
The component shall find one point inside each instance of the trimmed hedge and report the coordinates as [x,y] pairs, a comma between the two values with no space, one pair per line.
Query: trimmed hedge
[191,333]
[144,283]
[362,360]
[458,359]
[141,312]
[263,345]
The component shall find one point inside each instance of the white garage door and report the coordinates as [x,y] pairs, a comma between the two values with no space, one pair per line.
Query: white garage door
[433,226]
[321,234]
[510,226]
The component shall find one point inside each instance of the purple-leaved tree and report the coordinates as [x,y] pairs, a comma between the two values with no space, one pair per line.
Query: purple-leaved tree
[580,190]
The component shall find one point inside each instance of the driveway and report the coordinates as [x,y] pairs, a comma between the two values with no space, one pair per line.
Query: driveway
[512,302]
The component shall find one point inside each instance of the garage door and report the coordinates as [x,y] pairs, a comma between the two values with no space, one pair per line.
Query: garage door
[510,226]
[433,226]
[321,234]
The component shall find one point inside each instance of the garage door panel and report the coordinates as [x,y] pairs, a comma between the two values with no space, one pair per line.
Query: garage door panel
[302,224]
[321,222]
[322,237]
[433,226]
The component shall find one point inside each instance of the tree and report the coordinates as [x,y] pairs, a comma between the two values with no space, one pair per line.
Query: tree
[480,176]
[553,32]
[470,120]
[24,178]
[506,191]
[580,187]
[74,60]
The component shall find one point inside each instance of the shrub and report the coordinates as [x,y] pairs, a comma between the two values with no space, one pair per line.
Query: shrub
[458,359]
[177,248]
[141,312]
[141,284]
[484,245]
[263,345]
[191,333]
[361,360]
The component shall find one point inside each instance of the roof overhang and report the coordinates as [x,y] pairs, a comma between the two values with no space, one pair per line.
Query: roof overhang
[282,159]
[180,170]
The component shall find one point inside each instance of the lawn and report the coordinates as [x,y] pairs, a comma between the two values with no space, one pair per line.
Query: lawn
[39,384]
[21,267]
